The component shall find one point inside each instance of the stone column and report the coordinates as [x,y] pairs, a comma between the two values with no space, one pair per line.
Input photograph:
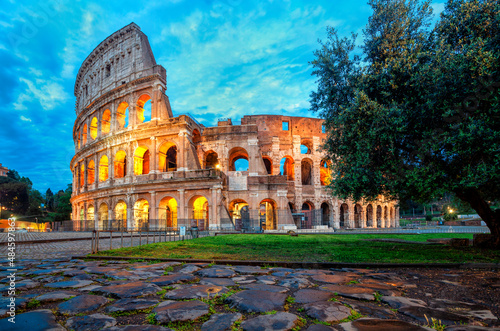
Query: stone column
[213,221]
[96,214]
[362,223]
[153,211]
[336,214]
[99,124]
[181,153]
[181,208]
[350,222]
[397,217]
[153,164]
[253,157]
[85,174]
[130,212]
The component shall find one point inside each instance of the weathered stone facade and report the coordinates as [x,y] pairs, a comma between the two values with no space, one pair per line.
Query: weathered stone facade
[169,171]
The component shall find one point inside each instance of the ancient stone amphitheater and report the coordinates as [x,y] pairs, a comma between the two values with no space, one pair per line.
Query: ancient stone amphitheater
[138,166]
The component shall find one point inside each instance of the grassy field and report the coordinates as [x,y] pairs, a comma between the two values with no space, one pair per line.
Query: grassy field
[313,248]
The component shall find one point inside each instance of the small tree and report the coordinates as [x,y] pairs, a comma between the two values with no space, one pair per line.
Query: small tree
[417,114]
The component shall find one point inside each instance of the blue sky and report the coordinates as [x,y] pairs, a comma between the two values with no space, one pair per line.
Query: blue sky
[226,58]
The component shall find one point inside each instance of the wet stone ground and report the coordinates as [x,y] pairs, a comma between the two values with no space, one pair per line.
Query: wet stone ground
[64,294]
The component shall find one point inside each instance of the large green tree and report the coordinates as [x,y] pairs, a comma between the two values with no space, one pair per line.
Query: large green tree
[414,112]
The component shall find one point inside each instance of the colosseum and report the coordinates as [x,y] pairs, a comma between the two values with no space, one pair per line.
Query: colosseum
[138,166]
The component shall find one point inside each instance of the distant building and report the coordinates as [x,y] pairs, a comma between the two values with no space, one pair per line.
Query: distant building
[3,170]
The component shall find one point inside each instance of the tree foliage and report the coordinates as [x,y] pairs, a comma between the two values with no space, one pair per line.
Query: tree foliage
[414,113]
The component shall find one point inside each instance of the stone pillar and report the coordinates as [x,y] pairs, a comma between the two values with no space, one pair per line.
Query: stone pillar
[130,212]
[113,124]
[213,220]
[96,214]
[130,162]
[85,174]
[99,124]
[153,215]
[111,165]
[362,223]
[350,222]
[96,170]
[254,157]
[336,214]
[181,208]
[397,217]
[181,152]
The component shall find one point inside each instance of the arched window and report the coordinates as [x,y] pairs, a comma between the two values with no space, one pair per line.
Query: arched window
[106,122]
[196,136]
[168,212]
[82,175]
[168,157]
[121,214]
[267,214]
[306,171]
[84,135]
[344,215]
[103,216]
[93,128]
[357,215]
[143,109]
[90,213]
[324,172]
[141,161]
[91,172]
[141,214]
[238,159]
[120,164]
[287,168]
[325,214]
[103,168]
[122,115]
[199,211]
[369,216]
[269,165]
[211,160]
[306,146]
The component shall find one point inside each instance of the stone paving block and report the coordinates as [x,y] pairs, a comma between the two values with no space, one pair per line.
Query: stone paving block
[195,292]
[424,314]
[365,324]
[138,328]
[70,284]
[295,283]
[278,321]
[90,322]
[220,322]
[309,295]
[264,287]
[398,302]
[332,279]
[82,304]
[250,270]
[173,279]
[37,320]
[128,290]
[130,304]
[173,311]
[327,311]
[463,309]
[354,292]
[56,296]
[217,281]
[214,272]
[257,301]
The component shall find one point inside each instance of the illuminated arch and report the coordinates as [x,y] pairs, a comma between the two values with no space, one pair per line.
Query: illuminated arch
[143,108]
[120,164]
[211,160]
[168,212]
[287,168]
[167,157]
[82,175]
[141,161]
[103,168]
[267,214]
[121,213]
[90,213]
[106,122]
[199,211]
[103,216]
[325,172]
[93,128]
[91,172]
[84,135]
[141,214]
[122,115]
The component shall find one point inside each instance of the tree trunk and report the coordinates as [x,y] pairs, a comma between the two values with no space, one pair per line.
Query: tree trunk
[489,216]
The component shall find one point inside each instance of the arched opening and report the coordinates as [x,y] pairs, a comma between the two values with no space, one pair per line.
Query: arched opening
[308,218]
[84,135]
[267,213]
[90,213]
[141,214]
[387,225]
[79,140]
[141,161]
[325,214]
[379,217]
[168,212]
[93,128]
[122,115]
[269,165]
[196,136]
[199,206]
[287,168]
[369,216]
[91,172]
[120,164]
[238,159]
[306,146]
[168,157]
[324,172]
[143,109]
[211,160]
[306,171]
[240,214]
[103,216]
[121,214]
[82,175]
[103,168]
[106,122]
[82,214]
[357,216]
[344,215]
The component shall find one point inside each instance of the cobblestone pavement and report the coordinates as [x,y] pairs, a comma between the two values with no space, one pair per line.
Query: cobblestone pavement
[64,294]
[30,236]
[64,249]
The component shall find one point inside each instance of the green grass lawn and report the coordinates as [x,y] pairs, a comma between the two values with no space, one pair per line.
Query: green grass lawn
[313,248]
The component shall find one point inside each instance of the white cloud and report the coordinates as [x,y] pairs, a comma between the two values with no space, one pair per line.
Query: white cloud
[48,93]
[25,119]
